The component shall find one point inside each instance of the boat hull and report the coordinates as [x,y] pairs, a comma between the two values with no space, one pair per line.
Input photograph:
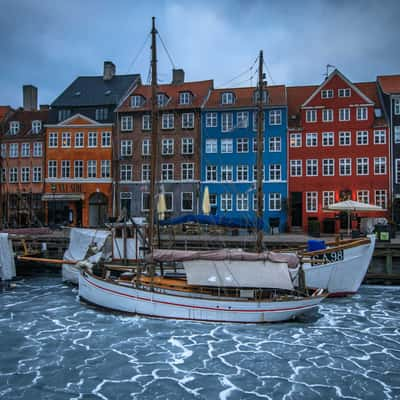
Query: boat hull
[108,294]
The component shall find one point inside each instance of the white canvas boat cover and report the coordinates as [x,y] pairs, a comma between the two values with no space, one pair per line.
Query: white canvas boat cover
[7,264]
[224,255]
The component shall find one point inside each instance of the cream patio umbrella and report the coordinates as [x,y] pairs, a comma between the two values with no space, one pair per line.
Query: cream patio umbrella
[206,202]
[161,206]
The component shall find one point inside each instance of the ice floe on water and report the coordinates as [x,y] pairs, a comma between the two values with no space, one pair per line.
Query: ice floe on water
[54,347]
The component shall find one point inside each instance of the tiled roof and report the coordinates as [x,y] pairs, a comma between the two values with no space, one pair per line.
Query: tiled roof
[4,110]
[199,91]
[244,97]
[390,84]
[25,119]
[296,96]
[95,91]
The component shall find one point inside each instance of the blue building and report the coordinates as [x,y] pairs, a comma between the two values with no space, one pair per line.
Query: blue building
[229,149]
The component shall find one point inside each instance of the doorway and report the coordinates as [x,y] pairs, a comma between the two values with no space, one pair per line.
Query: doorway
[97,209]
[296,208]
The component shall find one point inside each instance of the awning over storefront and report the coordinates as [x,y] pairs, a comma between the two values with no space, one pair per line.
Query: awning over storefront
[63,197]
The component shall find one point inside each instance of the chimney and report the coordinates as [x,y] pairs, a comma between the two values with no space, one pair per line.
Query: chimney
[43,107]
[178,76]
[109,70]
[30,97]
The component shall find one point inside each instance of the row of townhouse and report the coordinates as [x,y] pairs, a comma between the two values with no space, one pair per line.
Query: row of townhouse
[86,158]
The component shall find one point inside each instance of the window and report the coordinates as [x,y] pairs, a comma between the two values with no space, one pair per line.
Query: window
[242,119]
[25,174]
[52,169]
[36,126]
[126,123]
[78,169]
[53,139]
[381,198]
[211,173]
[146,172]
[226,173]
[380,165]
[379,137]
[295,168]
[257,96]
[328,198]
[211,120]
[101,114]
[363,196]
[167,147]
[327,115]
[13,175]
[145,201]
[226,202]
[311,115]
[3,176]
[167,172]
[105,139]
[312,167]
[344,138]
[226,145]
[242,202]
[345,166]
[327,139]
[125,203]
[3,150]
[396,106]
[211,145]
[344,114]
[37,174]
[275,172]
[13,149]
[169,201]
[328,167]
[397,134]
[275,202]
[255,202]
[213,200]
[311,201]
[25,149]
[105,168]
[227,98]
[63,114]
[65,169]
[37,149]
[362,166]
[344,92]
[14,127]
[275,117]
[146,122]
[255,145]
[146,147]
[362,137]
[274,144]
[187,201]
[187,173]
[242,145]
[92,139]
[187,120]
[65,139]
[185,98]
[255,121]
[187,145]
[92,169]
[167,121]
[397,170]
[327,94]
[79,139]
[255,172]
[227,122]
[362,113]
[162,99]
[311,139]
[125,172]
[242,173]
[137,101]
[295,140]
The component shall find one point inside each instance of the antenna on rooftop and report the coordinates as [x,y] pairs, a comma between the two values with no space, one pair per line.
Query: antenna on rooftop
[327,70]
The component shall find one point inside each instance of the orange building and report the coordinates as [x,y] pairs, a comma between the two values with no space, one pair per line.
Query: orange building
[78,184]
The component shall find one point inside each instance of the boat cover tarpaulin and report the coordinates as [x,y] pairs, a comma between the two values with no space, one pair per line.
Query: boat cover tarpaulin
[7,264]
[221,220]
[166,255]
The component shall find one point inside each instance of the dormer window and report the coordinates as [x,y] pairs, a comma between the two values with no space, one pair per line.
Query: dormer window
[137,101]
[36,126]
[162,99]
[227,98]
[264,96]
[185,98]
[63,114]
[14,127]
[344,92]
[101,114]
[327,94]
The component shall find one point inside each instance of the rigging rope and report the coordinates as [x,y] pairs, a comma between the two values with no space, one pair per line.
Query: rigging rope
[138,53]
[166,50]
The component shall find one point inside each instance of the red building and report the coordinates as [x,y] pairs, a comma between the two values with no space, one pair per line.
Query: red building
[338,150]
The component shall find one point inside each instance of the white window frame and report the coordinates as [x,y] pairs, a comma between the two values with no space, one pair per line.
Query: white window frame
[146,147]
[65,169]
[13,175]
[328,139]
[187,171]
[91,170]
[53,140]
[79,140]
[125,171]
[327,94]
[242,173]
[146,172]
[191,200]
[344,165]
[362,113]
[92,139]
[226,173]
[344,138]
[106,139]
[146,122]
[66,140]
[396,106]
[167,147]
[211,173]
[328,198]
[328,165]
[226,146]
[275,144]
[126,148]
[37,174]
[105,169]
[381,194]
[380,166]
[13,149]
[185,98]
[312,165]
[312,200]
[311,116]
[226,121]
[295,140]
[188,120]
[242,145]
[226,201]
[137,101]
[363,196]
[275,117]
[37,149]
[78,169]
[379,136]
[275,172]
[14,127]
[25,149]
[168,121]
[297,167]
[126,123]
[344,114]
[327,115]
[167,172]
[187,145]
[345,92]
[36,126]
[274,201]
[360,162]
[211,120]
[25,174]
[52,170]
[227,98]
[362,138]
[312,139]
[242,201]
[242,119]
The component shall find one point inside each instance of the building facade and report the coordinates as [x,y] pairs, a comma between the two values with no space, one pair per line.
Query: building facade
[338,150]
[229,148]
[178,166]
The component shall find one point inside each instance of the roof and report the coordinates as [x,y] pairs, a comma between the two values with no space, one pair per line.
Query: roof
[199,90]
[390,84]
[25,119]
[244,97]
[94,91]
[4,111]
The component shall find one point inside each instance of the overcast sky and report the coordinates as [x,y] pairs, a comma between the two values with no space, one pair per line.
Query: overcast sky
[48,43]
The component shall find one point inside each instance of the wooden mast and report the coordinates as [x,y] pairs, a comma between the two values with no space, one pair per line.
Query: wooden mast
[154,135]
[260,174]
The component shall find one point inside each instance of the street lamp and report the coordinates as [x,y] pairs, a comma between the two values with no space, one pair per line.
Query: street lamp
[53,188]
